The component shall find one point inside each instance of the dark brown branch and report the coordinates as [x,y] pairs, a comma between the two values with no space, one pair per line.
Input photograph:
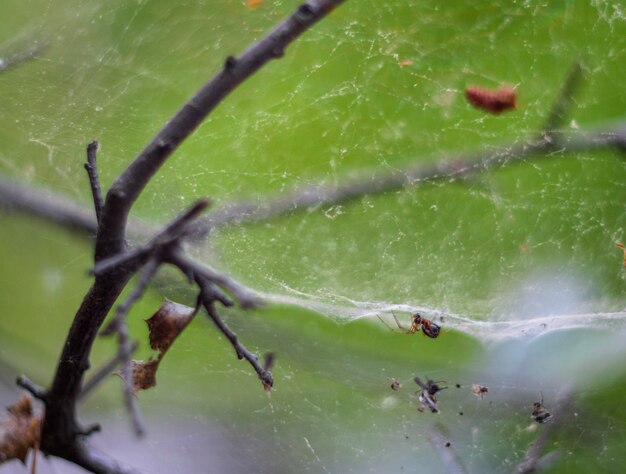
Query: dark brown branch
[131,182]
[60,427]
[173,232]
[247,298]
[208,300]
[92,172]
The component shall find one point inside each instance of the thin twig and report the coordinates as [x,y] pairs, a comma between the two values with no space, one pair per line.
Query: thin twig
[92,172]
[21,57]
[564,103]
[173,232]
[103,372]
[127,187]
[35,390]
[241,351]
[60,210]
[447,454]
[247,297]
[119,325]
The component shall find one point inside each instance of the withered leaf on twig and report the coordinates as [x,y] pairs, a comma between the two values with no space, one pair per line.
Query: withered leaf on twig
[19,431]
[165,326]
[167,323]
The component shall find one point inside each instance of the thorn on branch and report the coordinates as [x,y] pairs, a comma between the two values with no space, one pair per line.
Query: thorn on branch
[35,390]
[92,172]
[230,63]
[305,13]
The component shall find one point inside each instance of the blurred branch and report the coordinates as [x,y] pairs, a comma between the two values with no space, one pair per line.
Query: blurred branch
[447,169]
[60,210]
[564,102]
[22,56]
[451,460]
[533,460]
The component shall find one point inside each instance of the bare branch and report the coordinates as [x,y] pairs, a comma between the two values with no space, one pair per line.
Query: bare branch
[92,171]
[126,346]
[23,56]
[242,352]
[172,233]
[36,391]
[412,175]
[247,298]
[60,427]
[131,182]
[103,372]
[564,102]
[60,210]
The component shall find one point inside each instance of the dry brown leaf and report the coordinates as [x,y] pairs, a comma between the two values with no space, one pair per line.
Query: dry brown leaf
[19,431]
[253,3]
[405,62]
[167,324]
[144,374]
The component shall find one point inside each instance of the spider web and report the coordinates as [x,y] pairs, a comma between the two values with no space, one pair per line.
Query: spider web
[522,259]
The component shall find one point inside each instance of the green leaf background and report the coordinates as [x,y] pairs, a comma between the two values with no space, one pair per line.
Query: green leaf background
[337,104]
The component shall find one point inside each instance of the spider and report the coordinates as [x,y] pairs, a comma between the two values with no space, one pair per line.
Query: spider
[418,322]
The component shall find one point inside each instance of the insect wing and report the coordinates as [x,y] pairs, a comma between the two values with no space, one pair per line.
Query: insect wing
[428,401]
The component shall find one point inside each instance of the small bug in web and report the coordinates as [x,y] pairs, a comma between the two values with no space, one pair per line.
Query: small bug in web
[427,396]
[540,413]
[418,323]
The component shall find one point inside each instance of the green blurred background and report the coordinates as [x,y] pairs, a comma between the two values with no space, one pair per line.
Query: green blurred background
[536,240]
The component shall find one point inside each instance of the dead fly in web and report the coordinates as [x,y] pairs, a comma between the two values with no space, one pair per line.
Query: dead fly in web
[479,390]
[540,413]
[395,385]
[427,396]
[418,323]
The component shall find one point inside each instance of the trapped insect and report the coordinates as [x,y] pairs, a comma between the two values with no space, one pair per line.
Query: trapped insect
[479,390]
[492,101]
[427,396]
[540,413]
[418,323]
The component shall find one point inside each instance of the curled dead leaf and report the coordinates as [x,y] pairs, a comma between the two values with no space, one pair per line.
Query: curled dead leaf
[19,431]
[164,327]
[167,323]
